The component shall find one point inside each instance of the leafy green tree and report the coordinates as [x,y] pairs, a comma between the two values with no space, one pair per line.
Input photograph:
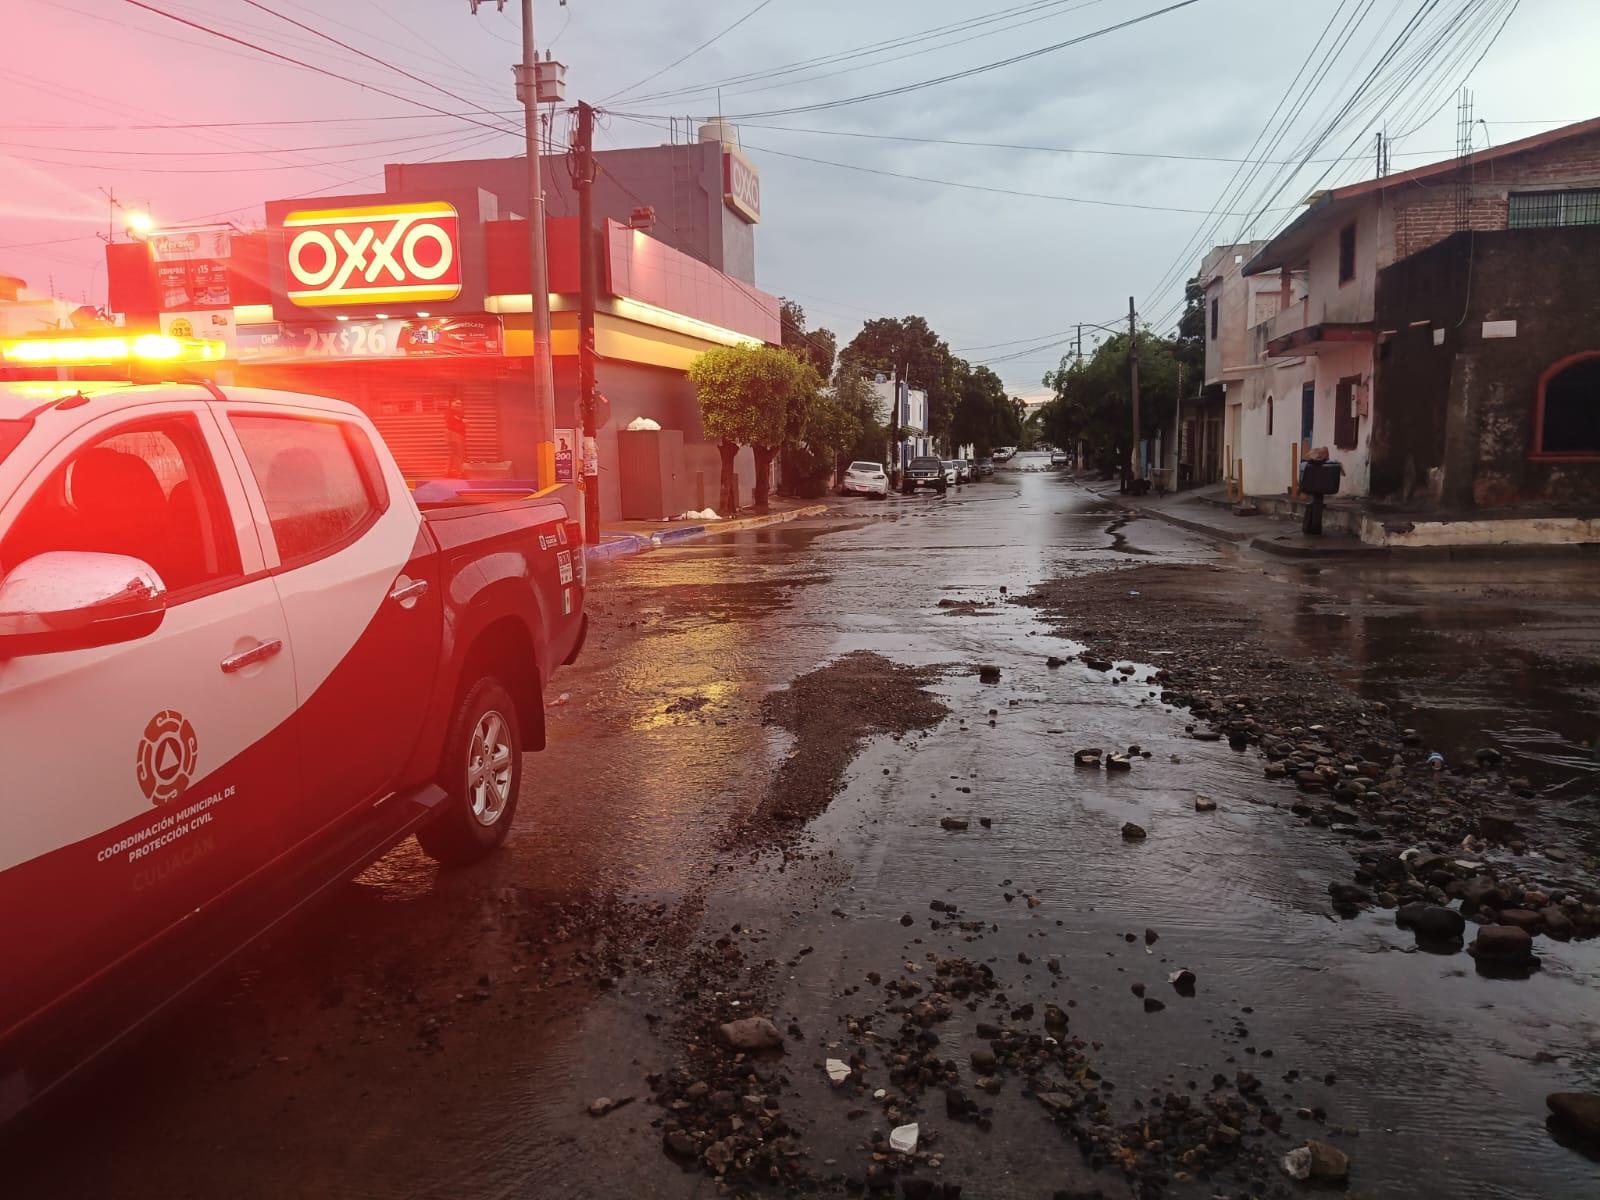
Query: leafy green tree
[984,415]
[816,346]
[752,396]
[1092,399]
[907,348]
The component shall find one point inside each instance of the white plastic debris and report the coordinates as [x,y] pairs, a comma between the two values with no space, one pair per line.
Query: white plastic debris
[903,1139]
[638,423]
[880,1093]
[564,698]
[838,1071]
[705,514]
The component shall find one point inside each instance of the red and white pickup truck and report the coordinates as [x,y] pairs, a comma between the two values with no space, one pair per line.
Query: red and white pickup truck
[237,663]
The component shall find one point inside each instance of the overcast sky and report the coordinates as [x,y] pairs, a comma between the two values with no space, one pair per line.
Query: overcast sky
[985,268]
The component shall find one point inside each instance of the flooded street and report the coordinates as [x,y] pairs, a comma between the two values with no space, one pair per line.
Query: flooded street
[430,1034]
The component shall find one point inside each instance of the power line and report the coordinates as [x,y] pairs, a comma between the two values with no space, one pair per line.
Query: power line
[975,187]
[228,37]
[878,48]
[328,37]
[1029,147]
[968,73]
[685,58]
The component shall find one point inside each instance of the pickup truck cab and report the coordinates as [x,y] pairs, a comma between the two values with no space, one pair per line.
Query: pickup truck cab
[237,663]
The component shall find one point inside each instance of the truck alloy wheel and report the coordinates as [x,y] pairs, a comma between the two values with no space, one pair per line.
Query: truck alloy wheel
[481,771]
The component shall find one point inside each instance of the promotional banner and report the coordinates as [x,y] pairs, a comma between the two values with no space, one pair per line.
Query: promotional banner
[419,337]
[191,266]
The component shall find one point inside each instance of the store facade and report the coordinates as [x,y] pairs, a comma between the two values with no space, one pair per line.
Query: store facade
[416,308]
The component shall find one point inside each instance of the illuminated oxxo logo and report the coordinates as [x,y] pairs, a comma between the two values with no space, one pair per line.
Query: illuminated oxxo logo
[387,253]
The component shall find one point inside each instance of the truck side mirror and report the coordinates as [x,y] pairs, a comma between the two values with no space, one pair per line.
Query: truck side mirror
[75,600]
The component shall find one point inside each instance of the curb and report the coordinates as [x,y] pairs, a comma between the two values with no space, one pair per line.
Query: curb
[623,546]
[1200,527]
[668,537]
[1358,550]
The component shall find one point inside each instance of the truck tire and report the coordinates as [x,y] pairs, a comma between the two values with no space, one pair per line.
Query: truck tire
[481,772]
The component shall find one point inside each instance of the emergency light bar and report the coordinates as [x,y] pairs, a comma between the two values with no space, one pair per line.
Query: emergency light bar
[80,351]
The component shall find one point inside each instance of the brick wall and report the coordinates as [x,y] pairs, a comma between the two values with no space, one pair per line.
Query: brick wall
[1426,215]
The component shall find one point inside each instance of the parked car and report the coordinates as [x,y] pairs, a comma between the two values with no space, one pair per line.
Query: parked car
[963,471]
[983,468]
[925,473]
[1002,453]
[952,473]
[868,478]
[1060,458]
[238,662]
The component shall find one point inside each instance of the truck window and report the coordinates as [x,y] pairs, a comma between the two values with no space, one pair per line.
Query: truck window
[318,478]
[149,491]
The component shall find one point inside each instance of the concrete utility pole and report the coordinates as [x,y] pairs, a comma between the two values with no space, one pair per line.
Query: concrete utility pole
[544,392]
[583,146]
[1133,372]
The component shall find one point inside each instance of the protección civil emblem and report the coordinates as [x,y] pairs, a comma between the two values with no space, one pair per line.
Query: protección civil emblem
[167,754]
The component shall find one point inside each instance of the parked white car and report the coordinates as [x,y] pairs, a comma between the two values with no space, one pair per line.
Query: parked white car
[868,478]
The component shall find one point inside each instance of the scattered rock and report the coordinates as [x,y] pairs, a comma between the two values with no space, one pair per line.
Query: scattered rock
[903,1139]
[1133,833]
[953,824]
[1317,1161]
[838,1071]
[1087,758]
[1118,762]
[1204,804]
[1183,982]
[988,674]
[605,1104]
[1151,1004]
[751,1034]
[1577,1112]
[983,1060]
[1431,922]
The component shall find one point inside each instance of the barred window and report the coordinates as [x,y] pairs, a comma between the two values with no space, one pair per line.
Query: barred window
[1542,210]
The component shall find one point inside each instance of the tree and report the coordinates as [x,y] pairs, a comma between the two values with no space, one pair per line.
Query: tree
[816,346]
[748,396]
[1093,400]
[984,415]
[905,348]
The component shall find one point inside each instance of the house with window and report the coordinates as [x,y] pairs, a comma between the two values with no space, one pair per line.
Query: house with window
[1234,417]
[914,437]
[1318,352]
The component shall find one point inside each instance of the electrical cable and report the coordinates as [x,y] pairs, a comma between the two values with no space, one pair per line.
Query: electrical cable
[968,73]
[343,45]
[228,37]
[685,58]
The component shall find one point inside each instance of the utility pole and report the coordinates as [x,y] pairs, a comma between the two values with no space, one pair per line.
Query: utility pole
[894,423]
[1133,373]
[544,408]
[1080,344]
[1177,426]
[583,146]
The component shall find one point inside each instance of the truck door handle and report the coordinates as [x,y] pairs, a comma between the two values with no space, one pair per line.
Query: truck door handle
[406,594]
[260,652]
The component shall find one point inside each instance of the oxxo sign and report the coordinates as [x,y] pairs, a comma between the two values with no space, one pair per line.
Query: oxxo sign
[380,254]
[741,185]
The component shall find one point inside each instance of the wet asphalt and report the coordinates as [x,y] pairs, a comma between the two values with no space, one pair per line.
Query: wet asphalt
[441,1035]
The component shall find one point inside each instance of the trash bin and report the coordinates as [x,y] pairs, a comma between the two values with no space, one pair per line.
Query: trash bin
[1319,478]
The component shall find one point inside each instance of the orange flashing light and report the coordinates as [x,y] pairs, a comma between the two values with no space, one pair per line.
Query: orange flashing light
[80,351]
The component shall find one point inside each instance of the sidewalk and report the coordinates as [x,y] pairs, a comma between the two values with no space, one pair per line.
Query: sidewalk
[622,539]
[1206,511]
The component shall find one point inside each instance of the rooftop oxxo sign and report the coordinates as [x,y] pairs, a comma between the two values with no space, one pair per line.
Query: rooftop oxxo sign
[365,255]
[741,185]
[380,254]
